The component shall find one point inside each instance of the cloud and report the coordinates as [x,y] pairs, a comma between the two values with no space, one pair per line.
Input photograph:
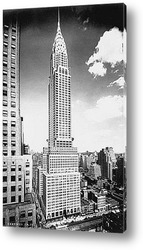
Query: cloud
[120,82]
[97,69]
[107,108]
[86,21]
[85,28]
[111,49]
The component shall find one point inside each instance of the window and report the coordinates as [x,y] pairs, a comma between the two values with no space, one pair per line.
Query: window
[5,122]
[4,169]
[22,214]
[5,113]
[13,37]
[13,152]
[13,59]
[13,104]
[13,133]
[12,168]
[27,181]
[19,198]
[4,102]
[4,132]
[19,168]
[27,172]
[5,152]
[13,93]
[19,177]
[4,189]
[13,114]
[12,219]
[4,178]
[19,187]
[13,188]
[30,213]
[13,143]
[13,84]
[4,199]
[27,164]
[5,92]
[13,123]
[12,198]
[13,178]
[5,83]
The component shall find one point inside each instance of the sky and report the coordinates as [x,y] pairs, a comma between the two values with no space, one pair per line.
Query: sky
[95,37]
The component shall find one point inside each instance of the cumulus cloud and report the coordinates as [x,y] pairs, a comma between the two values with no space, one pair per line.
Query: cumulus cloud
[111,49]
[120,82]
[97,67]
[106,108]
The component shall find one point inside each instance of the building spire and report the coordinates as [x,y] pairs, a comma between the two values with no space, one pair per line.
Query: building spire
[58,18]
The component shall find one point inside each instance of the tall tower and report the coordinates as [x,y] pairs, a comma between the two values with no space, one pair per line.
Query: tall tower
[59,94]
[61,190]
[11,88]
[17,168]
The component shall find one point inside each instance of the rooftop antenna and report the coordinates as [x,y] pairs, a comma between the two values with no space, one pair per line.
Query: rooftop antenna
[58,18]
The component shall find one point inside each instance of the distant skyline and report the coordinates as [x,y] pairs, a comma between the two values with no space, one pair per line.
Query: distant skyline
[97,58]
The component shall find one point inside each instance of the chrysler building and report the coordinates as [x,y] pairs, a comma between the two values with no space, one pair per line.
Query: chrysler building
[61,180]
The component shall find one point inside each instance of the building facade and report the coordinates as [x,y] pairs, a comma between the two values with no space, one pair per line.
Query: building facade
[17,178]
[61,191]
[107,161]
[23,215]
[12,126]
[94,170]
[17,168]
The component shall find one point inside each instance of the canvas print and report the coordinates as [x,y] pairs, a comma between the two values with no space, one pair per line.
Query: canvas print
[64,118]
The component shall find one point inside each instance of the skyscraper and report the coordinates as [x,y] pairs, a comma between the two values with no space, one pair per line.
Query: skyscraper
[17,168]
[61,191]
[107,160]
[11,87]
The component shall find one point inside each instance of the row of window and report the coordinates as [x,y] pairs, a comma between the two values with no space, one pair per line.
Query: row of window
[13,163]
[5,103]
[13,199]
[12,167]
[12,85]
[13,133]
[5,113]
[63,182]
[13,178]
[23,214]
[60,213]
[5,153]
[5,143]
[13,94]
[13,188]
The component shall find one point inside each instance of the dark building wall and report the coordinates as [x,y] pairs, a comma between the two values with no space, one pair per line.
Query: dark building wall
[120,171]
[102,162]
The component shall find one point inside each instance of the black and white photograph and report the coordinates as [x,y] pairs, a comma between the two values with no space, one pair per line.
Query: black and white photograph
[64,115]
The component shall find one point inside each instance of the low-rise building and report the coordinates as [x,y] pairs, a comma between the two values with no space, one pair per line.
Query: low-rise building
[87,206]
[94,170]
[21,214]
[99,199]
